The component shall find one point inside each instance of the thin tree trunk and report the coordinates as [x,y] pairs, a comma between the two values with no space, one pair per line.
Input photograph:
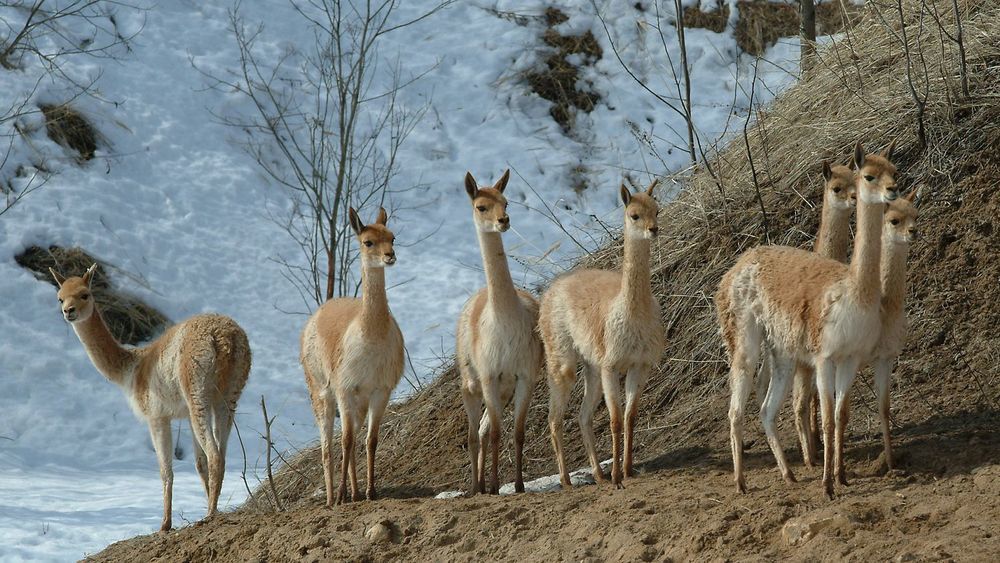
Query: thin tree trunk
[807,34]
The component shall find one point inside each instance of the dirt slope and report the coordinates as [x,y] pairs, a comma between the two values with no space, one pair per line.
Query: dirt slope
[941,505]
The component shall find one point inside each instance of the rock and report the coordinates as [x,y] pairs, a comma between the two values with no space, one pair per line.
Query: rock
[800,530]
[905,557]
[380,532]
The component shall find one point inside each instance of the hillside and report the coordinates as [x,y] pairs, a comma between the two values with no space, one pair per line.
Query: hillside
[940,504]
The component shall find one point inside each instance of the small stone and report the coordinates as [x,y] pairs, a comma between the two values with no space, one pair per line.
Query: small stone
[380,532]
[800,530]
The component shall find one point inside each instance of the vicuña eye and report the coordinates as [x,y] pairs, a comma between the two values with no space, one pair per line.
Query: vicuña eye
[481,208]
[368,243]
[836,190]
[85,297]
[894,221]
[635,217]
[60,301]
[869,178]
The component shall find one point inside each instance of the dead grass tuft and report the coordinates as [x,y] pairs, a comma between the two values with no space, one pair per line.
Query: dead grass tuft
[70,128]
[130,320]
[856,91]
[558,82]
[761,23]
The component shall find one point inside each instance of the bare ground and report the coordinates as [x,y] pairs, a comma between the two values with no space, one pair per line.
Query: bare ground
[942,505]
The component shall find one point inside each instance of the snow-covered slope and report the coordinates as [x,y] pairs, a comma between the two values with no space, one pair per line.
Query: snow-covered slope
[177,204]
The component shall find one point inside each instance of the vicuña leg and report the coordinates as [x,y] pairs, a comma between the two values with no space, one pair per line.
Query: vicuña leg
[200,414]
[494,410]
[325,411]
[159,431]
[591,398]
[473,401]
[561,377]
[803,396]
[200,461]
[347,436]
[484,444]
[376,411]
[846,372]
[745,356]
[635,383]
[613,400]
[359,414]
[883,373]
[825,385]
[522,397]
[777,391]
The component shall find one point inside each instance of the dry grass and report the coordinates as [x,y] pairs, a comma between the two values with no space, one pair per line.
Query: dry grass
[858,90]
[68,127]
[761,23]
[130,320]
[558,81]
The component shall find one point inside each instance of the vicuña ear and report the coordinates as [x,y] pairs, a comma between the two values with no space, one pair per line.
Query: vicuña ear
[55,275]
[915,196]
[471,187]
[382,216]
[356,223]
[827,171]
[89,275]
[859,156]
[649,190]
[626,195]
[502,182]
[887,153]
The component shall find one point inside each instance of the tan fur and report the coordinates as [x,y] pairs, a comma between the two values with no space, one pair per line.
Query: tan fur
[194,370]
[610,322]
[832,241]
[499,352]
[899,228]
[810,309]
[352,355]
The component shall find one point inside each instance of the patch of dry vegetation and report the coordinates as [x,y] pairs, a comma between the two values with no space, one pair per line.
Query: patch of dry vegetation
[761,22]
[130,320]
[558,82]
[69,128]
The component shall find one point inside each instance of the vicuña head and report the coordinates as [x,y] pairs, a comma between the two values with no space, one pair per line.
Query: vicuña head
[900,225]
[75,297]
[376,240]
[489,205]
[840,191]
[877,176]
[640,212]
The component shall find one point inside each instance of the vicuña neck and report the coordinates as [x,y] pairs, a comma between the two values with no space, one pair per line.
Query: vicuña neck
[500,290]
[107,355]
[867,252]
[834,233]
[636,287]
[894,277]
[374,305]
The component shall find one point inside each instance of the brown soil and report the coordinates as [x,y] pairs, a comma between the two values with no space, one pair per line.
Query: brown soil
[943,502]
[683,506]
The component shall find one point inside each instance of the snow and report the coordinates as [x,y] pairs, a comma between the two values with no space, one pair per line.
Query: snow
[185,215]
[545,484]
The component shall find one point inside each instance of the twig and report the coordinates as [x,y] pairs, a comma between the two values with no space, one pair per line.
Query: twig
[270,446]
